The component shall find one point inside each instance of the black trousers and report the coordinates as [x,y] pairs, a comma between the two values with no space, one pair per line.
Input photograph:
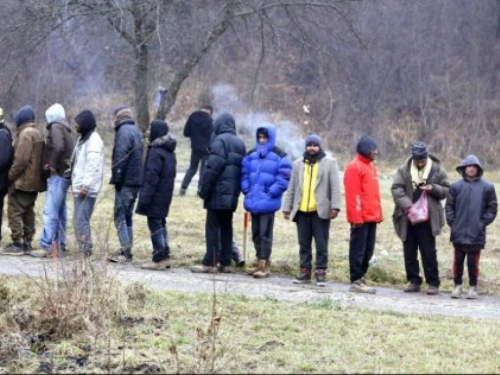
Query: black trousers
[218,222]
[420,238]
[197,158]
[361,248]
[262,235]
[472,265]
[309,226]
[3,193]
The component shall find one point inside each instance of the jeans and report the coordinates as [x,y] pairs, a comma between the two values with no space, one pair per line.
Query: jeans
[262,235]
[54,212]
[197,158]
[159,238]
[84,207]
[361,248]
[124,209]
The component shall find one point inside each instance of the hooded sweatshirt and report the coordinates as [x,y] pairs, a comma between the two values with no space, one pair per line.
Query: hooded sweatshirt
[59,142]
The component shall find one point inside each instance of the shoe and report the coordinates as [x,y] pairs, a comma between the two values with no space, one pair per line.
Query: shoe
[358,287]
[27,246]
[182,192]
[457,291]
[321,277]
[15,248]
[263,271]
[304,277]
[161,265]
[204,269]
[224,269]
[63,248]
[40,253]
[254,268]
[240,263]
[472,294]
[432,290]
[120,257]
[412,288]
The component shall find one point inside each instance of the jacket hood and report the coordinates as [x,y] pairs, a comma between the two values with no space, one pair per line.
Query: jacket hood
[224,123]
[55,113]
[86,122]
[470,160]
[271,134]
[24,115]
[167,141]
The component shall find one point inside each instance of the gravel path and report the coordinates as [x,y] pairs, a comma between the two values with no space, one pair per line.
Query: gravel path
[275,287]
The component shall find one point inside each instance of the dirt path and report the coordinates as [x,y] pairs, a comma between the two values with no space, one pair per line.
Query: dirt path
[278,288]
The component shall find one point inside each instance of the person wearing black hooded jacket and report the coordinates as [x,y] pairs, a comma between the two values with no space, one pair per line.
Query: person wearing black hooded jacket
[220,190]
[5,162]
[470,207]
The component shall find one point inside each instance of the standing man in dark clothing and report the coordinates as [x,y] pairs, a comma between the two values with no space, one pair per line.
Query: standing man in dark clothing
[6,154]
[220,190]
[471,206]
[420,173]
[126,175]
[199,128]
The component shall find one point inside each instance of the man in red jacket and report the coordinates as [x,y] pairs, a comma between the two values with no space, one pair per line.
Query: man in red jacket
[364,211]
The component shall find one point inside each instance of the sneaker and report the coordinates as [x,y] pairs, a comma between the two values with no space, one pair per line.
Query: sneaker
[15,248]
[304,277]
[321,277]
[40,253]
[182,192]
[472,294]
[240,263]
[432,290]
[224,269]
[457,291]
[120,257]
[412,288]
[204,269]
[27,246]
[161,265]
[358,287]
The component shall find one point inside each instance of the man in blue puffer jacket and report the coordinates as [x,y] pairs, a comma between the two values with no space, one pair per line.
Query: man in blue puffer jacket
[265,176]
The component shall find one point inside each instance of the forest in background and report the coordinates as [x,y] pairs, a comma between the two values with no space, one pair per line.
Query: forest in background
[400,70]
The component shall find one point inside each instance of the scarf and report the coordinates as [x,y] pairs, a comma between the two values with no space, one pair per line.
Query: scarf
[420,176]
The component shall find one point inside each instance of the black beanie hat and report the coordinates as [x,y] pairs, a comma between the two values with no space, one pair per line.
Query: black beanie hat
[366,145]
[158,129]
[86,121]
[419,151]
[24,115]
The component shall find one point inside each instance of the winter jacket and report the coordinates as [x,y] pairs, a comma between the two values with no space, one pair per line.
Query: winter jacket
[87,164]
[403,196]
[126,167]
[266,172]
[221,181]
[157,187]
[59,146]
[199,127]
[26,171]
[6,155]
[362,192]
[326,188]
[470,206]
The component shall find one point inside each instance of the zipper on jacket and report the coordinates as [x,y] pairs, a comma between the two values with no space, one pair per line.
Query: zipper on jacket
[310,186]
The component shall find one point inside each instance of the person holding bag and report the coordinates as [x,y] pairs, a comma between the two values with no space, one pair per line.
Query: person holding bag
[420,174]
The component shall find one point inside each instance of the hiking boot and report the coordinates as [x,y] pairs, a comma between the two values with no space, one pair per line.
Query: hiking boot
[358,287]
[432,290]
[15,248]
[304,277]
[224,269]
[321,277]
[263,270]
[120,257]
[472,294]
[40,253]
[161,265]
[203,269]
[457,291]
[254,268]
[412,288]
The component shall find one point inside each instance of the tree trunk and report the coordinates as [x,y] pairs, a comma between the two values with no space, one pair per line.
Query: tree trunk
[141,87]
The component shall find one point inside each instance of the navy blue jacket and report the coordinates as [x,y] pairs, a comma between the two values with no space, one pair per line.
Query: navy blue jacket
[199,127]
[470,206]
[6,154]
[265,175]
[221,180]
[126,169]
[157,187]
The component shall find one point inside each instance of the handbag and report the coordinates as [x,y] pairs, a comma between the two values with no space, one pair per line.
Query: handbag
[419,211]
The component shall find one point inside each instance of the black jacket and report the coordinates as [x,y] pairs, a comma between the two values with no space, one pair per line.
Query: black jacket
[221,180]
[157,187]
[470,207]
[126,169]
[6,154]
[199,128]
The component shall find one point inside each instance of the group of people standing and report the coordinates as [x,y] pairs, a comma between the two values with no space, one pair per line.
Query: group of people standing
[308,191]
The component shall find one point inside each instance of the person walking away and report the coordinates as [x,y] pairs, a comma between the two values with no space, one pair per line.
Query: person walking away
[420,173]
[470,207]
[87,166]
[6,156]
[59,147]
[126,176]
[312,201]
[266,172]
[364,211]
[26,181]
[220,190]
[157,190]
[199,129]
